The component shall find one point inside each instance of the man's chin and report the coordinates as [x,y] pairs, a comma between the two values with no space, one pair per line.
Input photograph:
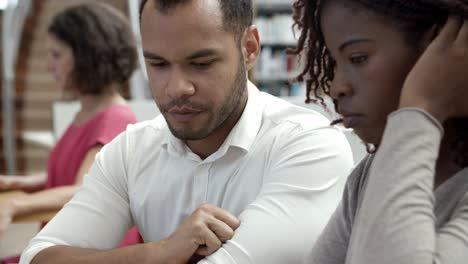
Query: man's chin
[184,134]
[190,137]
[188,130]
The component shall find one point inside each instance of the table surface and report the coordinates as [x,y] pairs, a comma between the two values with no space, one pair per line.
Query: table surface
[42,216]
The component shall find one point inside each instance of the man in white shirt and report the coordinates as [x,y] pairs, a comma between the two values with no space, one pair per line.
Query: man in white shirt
[226,174]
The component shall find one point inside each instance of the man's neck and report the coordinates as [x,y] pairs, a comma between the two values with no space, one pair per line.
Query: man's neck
[209,145]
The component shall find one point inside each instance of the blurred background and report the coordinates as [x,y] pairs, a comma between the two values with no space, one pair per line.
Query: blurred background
[28,90]
[34,113]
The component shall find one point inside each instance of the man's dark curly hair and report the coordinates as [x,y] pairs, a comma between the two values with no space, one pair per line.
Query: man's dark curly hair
[412,17]
[237,14]
[103,46]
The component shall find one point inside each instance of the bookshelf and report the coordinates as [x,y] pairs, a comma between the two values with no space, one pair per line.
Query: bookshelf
[275,68]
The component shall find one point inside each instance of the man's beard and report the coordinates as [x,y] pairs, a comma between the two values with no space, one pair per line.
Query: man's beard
[218,117]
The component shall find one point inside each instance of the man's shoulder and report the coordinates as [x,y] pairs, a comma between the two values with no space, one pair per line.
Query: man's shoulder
[292,126]
[150,129]
[285,113]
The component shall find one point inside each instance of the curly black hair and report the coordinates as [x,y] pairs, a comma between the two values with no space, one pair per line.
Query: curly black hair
[103,46]
[413,18]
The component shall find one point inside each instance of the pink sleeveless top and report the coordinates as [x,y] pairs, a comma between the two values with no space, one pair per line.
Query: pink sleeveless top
[67,155]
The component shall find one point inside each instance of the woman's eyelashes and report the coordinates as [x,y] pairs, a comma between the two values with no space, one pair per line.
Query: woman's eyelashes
[358,58]
[354,59]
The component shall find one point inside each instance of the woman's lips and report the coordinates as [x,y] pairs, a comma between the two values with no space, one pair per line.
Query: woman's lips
[351,120]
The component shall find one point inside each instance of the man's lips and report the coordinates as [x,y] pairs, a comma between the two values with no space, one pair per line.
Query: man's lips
[184,114]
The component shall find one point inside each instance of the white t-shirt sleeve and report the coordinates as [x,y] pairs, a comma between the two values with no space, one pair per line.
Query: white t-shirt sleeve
[298,196]
[99,215]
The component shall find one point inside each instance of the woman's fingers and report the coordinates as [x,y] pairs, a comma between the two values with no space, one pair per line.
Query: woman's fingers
[449,32]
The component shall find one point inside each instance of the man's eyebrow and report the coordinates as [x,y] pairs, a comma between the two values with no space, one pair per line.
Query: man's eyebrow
[152,56]
[203,53]
[198,54]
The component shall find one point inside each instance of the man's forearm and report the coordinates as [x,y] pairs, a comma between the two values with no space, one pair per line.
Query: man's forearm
[142,253]
[194,236]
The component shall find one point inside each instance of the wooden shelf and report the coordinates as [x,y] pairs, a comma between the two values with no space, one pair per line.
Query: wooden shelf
[273,8]
[279,45]
[276,77]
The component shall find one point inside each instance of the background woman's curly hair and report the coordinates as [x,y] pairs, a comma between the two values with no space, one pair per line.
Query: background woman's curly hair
[103,45]
[413,17]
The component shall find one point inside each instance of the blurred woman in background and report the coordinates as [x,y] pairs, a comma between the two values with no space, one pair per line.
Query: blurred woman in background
[91,54]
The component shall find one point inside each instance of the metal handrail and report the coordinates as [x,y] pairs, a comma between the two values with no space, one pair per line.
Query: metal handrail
[139,81]
[14,17]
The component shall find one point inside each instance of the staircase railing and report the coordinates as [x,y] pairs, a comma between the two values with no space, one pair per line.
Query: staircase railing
[14,17]
[139,81]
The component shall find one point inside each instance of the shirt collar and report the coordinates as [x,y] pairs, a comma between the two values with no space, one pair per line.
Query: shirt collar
[242,135]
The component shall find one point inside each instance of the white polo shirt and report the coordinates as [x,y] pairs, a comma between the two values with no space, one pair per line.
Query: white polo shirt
[281,170]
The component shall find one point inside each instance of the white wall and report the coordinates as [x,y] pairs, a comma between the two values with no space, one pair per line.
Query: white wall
[64,112]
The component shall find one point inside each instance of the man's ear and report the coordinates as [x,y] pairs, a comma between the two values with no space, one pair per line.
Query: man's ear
[250,45]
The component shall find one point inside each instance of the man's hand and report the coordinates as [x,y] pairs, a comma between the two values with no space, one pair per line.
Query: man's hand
[202,233]
[438,83]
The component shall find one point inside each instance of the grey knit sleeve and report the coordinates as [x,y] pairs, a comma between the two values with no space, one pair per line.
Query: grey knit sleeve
[332,245]
[395,223]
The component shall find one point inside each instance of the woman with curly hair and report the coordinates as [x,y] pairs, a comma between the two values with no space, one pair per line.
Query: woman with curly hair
[91,55]
[397,71]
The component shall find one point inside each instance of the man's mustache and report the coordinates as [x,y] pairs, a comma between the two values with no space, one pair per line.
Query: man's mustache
[184,102]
